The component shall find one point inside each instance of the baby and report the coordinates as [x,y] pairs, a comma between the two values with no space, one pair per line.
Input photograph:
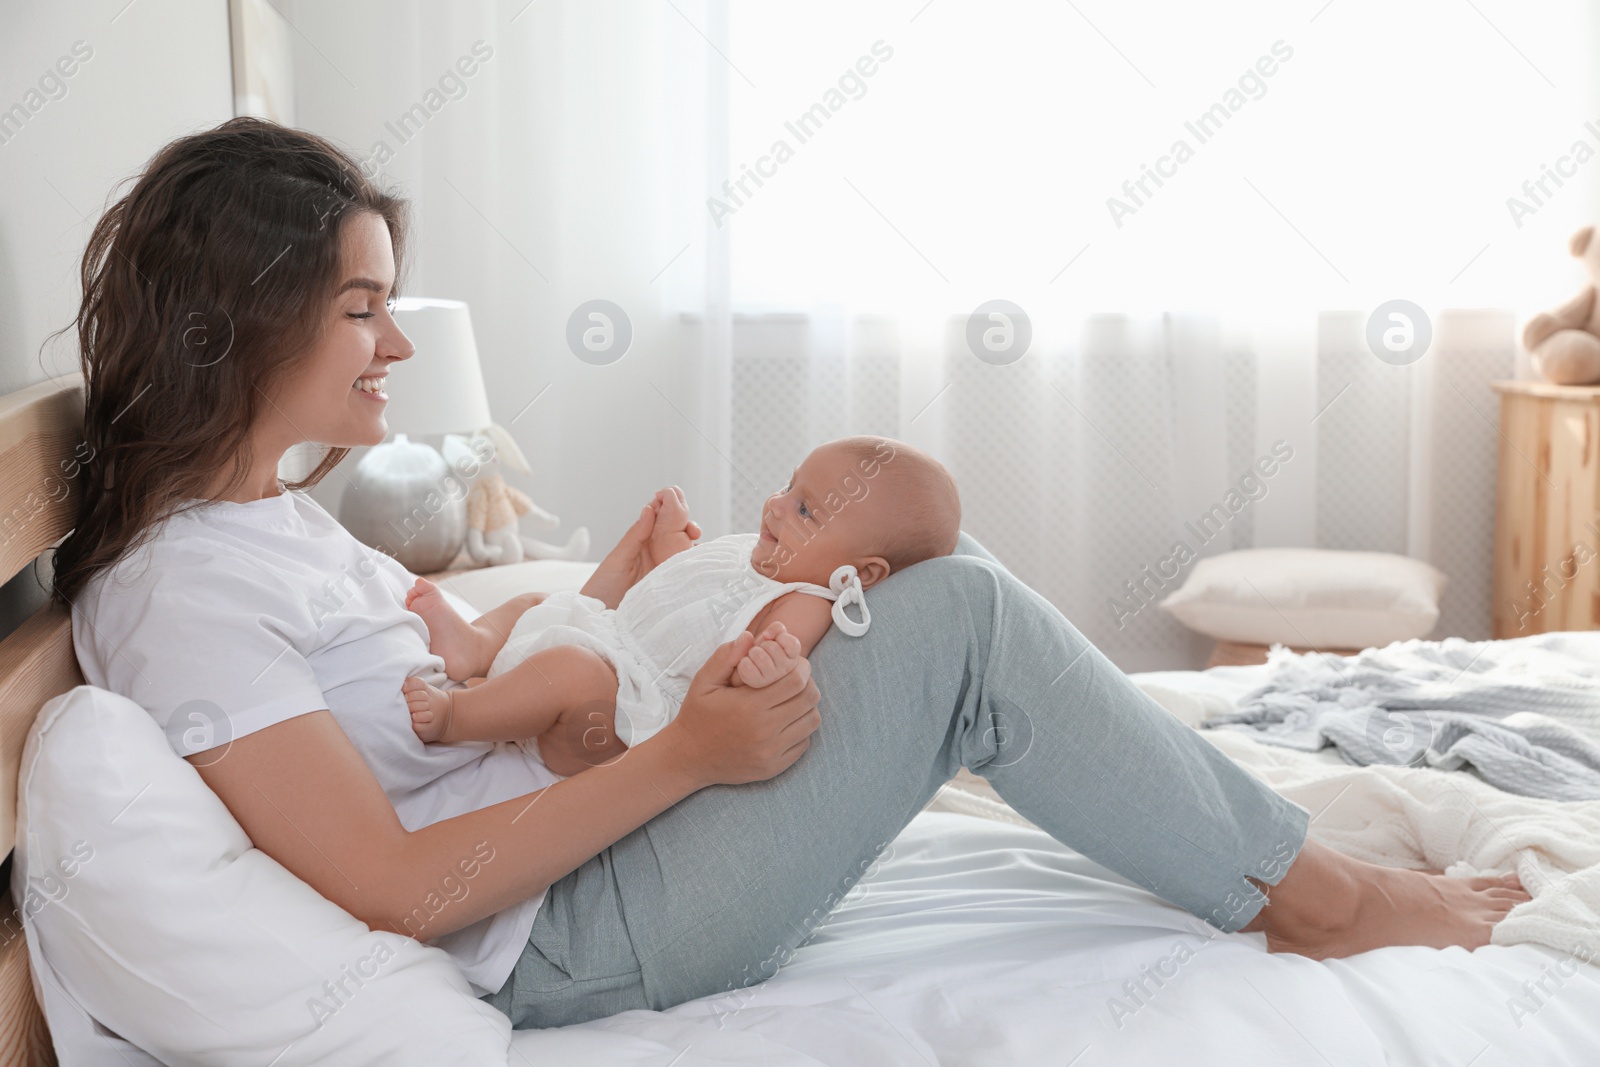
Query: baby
[577,683]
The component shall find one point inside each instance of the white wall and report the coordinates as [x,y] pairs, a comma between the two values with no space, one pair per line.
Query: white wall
[156,69]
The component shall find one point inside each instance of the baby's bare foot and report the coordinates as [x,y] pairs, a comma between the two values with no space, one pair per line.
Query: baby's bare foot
[430,709]
[671,533]
[769,659]
[450,637]
[1356,906]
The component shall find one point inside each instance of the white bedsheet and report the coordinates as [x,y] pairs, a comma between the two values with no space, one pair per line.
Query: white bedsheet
[980,943]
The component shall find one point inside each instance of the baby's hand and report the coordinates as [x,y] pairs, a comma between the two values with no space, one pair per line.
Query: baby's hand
[775,653]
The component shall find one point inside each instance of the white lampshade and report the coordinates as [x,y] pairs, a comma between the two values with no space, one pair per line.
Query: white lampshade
[440,389]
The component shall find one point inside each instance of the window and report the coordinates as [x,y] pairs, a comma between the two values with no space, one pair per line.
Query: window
[1338,155]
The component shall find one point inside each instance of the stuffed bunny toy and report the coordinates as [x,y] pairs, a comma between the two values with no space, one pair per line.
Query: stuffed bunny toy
[1565,343]
[493,507]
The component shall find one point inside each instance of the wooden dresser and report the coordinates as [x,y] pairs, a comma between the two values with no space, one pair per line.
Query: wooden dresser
[1547,514]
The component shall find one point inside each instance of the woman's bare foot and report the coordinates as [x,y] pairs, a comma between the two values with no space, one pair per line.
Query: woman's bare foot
[450,637]
[1329,906]
[431,709]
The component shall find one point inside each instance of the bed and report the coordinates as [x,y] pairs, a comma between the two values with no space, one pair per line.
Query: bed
[976,940]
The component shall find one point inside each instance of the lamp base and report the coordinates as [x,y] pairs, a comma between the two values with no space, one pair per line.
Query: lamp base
[404,500]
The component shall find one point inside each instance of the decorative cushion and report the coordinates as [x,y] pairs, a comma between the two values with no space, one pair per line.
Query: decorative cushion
[148,911]
[1309,597]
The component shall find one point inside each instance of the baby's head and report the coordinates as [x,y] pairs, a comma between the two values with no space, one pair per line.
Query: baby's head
[873,502]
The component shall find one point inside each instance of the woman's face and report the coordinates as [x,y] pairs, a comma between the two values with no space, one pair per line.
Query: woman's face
[337,396]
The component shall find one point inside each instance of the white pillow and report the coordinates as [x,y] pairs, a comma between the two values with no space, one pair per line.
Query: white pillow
[1307,597]
[486,587]
[146,908]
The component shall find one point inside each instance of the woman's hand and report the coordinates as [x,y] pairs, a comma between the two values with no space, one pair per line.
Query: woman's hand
[729,735]
[635,555]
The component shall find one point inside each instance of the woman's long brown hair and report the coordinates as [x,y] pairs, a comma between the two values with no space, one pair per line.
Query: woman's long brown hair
[203,289]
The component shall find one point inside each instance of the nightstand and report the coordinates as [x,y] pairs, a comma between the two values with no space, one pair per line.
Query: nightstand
[1547,523]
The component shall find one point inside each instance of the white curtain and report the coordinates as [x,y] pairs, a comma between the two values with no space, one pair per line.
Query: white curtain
[936,156]
[1096,466]
[555,175]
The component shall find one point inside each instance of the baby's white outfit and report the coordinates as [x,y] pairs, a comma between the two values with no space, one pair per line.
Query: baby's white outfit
[668,625]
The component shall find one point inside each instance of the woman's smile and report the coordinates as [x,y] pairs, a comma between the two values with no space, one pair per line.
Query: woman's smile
[371,386]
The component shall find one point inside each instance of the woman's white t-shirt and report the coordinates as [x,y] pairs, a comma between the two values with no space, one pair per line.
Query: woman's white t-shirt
[236,616]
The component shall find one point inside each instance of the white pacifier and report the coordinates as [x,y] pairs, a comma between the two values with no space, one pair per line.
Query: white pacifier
[847,585]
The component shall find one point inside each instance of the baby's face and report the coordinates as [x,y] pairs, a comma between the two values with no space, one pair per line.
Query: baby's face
[829,514]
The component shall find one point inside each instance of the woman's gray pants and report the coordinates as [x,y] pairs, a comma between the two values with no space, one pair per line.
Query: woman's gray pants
[964,666]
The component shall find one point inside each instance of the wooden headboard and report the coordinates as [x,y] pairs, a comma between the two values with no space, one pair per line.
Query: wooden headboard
[41,429]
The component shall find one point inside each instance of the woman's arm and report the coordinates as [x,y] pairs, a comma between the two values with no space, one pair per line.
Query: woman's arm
[305,797]
[632,559]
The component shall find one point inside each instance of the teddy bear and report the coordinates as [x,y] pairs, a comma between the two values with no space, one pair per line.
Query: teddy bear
[493,507]
[1565,343]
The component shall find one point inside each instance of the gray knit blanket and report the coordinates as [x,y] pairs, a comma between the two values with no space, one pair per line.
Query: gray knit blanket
[1523,714]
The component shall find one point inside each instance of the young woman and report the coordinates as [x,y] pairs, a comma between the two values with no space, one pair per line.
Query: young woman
[237,302]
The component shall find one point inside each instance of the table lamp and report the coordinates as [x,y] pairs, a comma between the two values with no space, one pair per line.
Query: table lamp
[403,498]
[440,389]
